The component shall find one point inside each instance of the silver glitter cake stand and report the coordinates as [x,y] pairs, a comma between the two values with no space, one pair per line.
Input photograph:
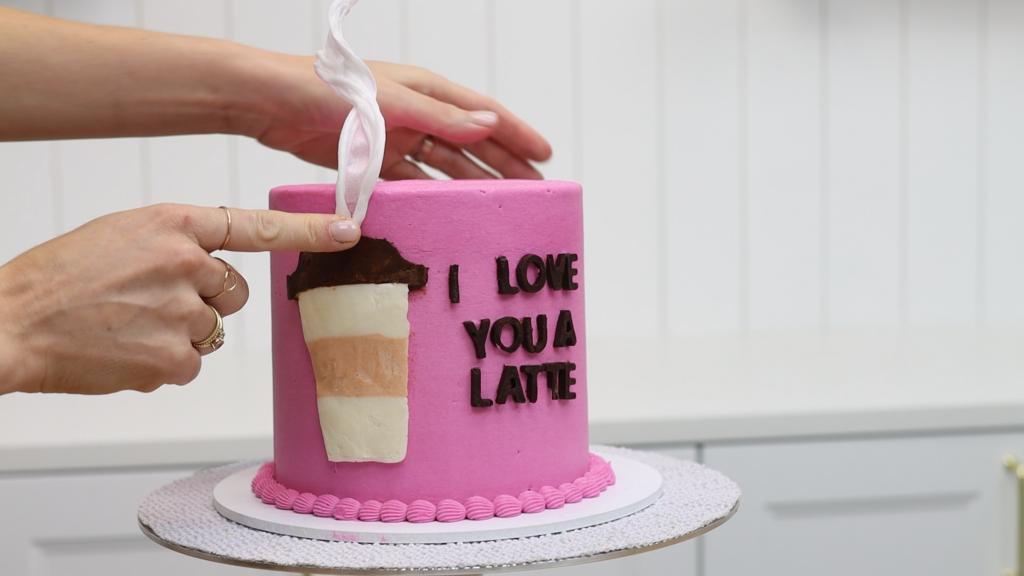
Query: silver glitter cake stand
[181,516]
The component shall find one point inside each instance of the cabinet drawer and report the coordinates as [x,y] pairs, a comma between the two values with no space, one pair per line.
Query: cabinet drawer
[86,525]
[935,505]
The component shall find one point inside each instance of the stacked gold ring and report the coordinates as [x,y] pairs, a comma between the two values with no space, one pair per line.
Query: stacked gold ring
[216,339]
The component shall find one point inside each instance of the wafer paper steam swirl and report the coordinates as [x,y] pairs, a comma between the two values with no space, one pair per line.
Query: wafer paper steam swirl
[361,145]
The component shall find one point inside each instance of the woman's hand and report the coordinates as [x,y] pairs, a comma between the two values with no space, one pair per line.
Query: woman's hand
[299,113]
[129,82]
[116,304]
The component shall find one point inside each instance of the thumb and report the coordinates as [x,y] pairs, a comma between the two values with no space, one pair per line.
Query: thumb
[268,230]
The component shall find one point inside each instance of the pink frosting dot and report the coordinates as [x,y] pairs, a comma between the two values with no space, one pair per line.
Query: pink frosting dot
[259,486]
[349,509]
[611,475]
[270,492]
[370,511]
[393,511]
[479,508]
[286,498]
[598,480]
[304,503]
[324,505]
[532,502]
[506,506]
[553,497]
[421,511]
[572,493]
[450,511]
[588,487]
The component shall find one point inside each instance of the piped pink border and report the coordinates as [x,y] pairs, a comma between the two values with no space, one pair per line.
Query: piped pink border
[597,479]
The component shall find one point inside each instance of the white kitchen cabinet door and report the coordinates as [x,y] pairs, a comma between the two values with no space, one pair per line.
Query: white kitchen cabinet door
[86,525]
[676,560]
[933,505]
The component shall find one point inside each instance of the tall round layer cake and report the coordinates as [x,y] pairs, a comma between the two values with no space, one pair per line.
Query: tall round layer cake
[439,364]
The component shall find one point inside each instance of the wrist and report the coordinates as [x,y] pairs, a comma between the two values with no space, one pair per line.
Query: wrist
[266,90]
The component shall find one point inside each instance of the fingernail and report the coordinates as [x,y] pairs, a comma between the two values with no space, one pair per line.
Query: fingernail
[483,117]
[345,231]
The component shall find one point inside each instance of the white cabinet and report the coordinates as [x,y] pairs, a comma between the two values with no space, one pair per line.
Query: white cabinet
[85,524]
[940,505]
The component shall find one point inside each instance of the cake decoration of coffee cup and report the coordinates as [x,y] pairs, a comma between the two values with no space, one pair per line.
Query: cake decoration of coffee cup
[354,306]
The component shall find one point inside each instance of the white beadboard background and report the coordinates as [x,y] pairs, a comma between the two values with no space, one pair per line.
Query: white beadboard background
[749,166]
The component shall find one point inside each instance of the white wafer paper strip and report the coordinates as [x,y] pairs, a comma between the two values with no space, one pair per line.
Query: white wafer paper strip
[361,145]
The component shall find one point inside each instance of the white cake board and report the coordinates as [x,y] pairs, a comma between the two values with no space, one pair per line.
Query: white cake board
[637,486]
[695,499]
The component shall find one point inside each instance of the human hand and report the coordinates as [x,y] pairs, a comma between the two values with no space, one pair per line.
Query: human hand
[117,303]
[302,115]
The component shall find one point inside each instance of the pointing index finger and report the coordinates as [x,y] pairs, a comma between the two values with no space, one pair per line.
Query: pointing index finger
[268,230]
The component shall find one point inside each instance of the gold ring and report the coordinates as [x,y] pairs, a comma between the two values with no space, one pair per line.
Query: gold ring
[426,146]
[228,235]
[216,338]
[229,274]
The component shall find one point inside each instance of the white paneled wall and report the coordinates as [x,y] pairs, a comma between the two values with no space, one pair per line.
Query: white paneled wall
[749,165]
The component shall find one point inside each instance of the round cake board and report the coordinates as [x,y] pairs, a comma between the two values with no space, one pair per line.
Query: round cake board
[695,499]
[637,486]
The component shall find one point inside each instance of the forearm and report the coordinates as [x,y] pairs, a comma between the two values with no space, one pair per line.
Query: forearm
[64,79]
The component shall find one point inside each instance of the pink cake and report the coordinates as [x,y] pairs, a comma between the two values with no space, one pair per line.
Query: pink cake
[495,435]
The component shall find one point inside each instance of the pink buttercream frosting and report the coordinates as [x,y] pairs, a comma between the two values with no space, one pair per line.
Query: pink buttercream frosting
[506,506]
[270,492]
[370,511]
[479,508]
[324,505]
[347,509]
[532,502]
[421,511]
[553,497]
[449,510]
[285,499]
[393,511]
[304,503]
[572,493]
[590,485]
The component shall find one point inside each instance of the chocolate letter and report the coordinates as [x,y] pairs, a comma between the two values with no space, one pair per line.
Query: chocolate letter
[552,369]
[570,284]
[503,286]
[565,380]
[523,273]
[556,271]
[453,283]
[478,335]
[529,344]
[531,371]
[565,333]
[510,384]
[517,333]
[474,390]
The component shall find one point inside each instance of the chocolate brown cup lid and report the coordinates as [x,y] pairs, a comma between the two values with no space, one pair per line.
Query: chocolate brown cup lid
[371,261]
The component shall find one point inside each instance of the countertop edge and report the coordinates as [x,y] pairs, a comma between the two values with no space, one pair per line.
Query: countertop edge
[810,426]
[683,430]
